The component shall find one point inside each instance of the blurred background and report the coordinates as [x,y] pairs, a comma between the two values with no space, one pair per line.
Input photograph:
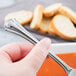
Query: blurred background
[5,3]
[7,6]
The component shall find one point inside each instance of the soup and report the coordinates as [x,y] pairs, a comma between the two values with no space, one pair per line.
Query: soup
[51,68]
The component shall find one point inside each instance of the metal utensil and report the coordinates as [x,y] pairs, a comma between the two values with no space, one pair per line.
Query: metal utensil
[13,26]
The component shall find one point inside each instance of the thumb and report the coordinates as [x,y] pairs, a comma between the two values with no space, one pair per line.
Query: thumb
[37,55]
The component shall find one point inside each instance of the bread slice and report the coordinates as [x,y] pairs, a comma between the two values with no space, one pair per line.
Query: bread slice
[43,27]
[64,27]
[38,14]
[51,30]
[22,16]
[68,12]
[51,10]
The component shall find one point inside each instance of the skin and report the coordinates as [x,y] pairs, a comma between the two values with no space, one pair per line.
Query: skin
[21,59]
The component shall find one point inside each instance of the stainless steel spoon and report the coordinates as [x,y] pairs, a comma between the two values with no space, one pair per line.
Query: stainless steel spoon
[13,26]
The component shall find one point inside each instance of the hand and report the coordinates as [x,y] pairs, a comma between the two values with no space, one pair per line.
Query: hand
[21,59]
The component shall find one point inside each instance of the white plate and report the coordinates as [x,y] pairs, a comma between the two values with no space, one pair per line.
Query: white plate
[63,48]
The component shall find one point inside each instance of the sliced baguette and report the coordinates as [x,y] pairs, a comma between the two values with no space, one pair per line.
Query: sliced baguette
[68,12]
[43,28]
[51,10]
[38,14]
[64,27]
[23,16]
[51,30]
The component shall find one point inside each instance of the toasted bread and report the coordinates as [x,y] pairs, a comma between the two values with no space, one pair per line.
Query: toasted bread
[68,12]
[64,27]
[51,30]
[51,10]
[23,16]
[38,14]
[43,28]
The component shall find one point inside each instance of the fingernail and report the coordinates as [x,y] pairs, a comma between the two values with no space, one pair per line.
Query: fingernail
[45,44]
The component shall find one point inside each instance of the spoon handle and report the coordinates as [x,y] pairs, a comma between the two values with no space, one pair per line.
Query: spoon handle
[13,26]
